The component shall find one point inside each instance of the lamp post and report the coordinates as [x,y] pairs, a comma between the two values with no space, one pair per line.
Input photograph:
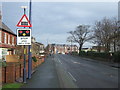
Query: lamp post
[24,69]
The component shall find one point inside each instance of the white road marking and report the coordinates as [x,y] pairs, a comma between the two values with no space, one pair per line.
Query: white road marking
[76,62]
[59,61]
[72,76]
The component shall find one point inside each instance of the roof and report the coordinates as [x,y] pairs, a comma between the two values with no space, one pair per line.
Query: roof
[6,28]
[39,43]
[64,45]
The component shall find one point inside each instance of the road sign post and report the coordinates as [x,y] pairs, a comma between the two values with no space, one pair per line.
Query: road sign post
[24,69]
[24,38]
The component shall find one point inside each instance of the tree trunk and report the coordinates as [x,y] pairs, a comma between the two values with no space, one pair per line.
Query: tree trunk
[114,46]
[99,48]
[80,47]
[107,47]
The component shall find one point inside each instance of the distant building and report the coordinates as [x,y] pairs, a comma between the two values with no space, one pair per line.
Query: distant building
[41,48]
[98,48]
[61,48]
[37,48]
[33,39]
[85,49]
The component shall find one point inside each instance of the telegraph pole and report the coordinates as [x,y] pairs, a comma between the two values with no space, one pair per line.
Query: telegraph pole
[29,46]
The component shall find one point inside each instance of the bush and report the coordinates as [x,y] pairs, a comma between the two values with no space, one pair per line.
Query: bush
[104,55]
[34,59]
[3,64]
[74,53]
[116,56]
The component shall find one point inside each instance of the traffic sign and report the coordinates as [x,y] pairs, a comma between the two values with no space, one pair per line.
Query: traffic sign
[24,22]
[24,36]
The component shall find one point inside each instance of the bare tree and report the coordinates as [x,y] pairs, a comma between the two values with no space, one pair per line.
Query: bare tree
[105,32]
[115,35]
[81,35]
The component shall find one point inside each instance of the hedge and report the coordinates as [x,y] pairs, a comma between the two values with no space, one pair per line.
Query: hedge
[115,56]
[34,59]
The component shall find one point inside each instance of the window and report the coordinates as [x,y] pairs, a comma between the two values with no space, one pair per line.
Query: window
[5,38]
[8,39]
[0,36]
[12,40]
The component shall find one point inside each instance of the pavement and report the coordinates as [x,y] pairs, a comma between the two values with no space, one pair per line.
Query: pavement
[44,77]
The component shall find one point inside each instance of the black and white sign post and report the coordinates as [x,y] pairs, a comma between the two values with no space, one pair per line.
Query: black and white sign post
[24,38]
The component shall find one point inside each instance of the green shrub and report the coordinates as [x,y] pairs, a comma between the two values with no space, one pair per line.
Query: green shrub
[74,53]
[105,55]
[116,56]
[34,59]
[3,64]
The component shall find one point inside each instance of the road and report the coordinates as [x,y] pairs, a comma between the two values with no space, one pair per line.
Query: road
[76,72]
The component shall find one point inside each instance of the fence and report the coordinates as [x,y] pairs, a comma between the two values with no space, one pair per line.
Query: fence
[14,70]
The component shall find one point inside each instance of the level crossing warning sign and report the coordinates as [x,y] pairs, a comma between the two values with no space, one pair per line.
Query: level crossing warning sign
[24,22]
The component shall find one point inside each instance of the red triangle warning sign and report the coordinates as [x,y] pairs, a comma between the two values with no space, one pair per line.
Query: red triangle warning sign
[24,22]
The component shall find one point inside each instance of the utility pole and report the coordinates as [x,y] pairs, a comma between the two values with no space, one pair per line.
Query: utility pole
[71,46]
[29,47]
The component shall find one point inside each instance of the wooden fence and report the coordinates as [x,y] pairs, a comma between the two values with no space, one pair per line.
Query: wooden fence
[14,70]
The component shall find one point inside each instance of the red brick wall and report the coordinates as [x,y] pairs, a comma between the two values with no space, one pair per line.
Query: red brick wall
[3,74]
[10,73]
[14,71]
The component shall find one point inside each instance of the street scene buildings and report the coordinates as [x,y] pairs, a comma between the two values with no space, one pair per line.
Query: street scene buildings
[59,45]
[62,48]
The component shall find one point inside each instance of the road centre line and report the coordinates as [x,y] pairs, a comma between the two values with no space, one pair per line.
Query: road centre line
[72,76]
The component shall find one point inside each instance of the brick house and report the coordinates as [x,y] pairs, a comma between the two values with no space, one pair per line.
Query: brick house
[37,48]
[7,41]
[61,48]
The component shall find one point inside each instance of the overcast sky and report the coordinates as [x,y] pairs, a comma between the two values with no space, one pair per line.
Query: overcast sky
[51,21]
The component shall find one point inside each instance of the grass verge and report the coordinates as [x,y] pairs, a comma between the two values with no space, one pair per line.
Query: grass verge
[16,86]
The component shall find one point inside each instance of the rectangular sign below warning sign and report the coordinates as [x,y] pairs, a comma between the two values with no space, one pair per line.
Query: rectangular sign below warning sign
[24,36]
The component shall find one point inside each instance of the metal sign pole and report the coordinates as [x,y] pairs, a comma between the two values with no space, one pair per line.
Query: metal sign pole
[29,49]
[24,70]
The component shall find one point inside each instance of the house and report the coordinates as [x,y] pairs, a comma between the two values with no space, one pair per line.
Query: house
[61,48]
[98,48]
[41,49]
[37,48]
[7,41]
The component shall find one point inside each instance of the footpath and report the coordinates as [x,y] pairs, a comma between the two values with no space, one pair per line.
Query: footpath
[45,76]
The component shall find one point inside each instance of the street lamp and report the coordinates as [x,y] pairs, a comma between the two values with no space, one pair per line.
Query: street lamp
[24,7]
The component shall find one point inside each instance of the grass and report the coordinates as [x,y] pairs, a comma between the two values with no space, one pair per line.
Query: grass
[12,85]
